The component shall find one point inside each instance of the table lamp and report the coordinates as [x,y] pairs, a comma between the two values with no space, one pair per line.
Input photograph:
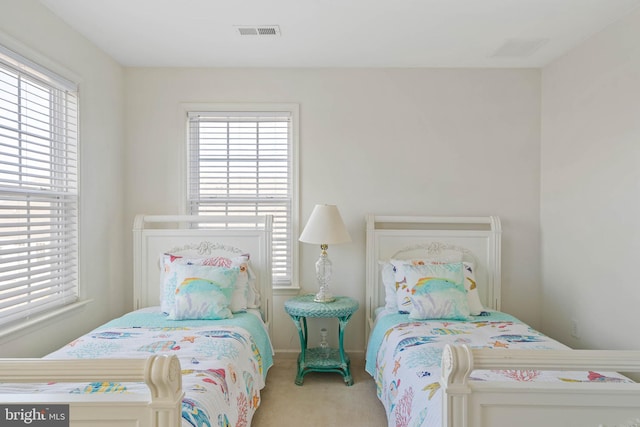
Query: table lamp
[325,227]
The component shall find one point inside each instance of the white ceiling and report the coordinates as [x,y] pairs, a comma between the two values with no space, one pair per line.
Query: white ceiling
[339,33]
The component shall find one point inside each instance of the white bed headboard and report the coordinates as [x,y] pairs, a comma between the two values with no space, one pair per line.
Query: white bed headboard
[154,235]
[414,236]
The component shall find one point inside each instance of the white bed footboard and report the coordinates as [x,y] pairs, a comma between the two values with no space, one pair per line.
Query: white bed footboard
[468,403]
[161,407]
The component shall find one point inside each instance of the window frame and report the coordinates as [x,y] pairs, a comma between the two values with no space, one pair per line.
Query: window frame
[247,108]
[40,69]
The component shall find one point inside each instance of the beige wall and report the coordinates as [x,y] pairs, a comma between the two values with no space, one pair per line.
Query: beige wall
[385,141]
[30,29]
[590,195]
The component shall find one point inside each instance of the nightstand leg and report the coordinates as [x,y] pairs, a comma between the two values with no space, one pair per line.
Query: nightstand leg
[301,325]
[300,374]
[345,363]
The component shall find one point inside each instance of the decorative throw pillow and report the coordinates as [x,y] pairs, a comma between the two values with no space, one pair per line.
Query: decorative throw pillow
[428,268]
[470,284]
[473,297]
[240,299]
[203,292]
[433,291]
[388,271]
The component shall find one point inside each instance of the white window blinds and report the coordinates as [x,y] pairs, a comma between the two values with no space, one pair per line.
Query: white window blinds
[240,164]
[38,189]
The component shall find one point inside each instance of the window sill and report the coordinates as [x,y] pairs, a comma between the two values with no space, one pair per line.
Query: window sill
[40,319]
[286,290]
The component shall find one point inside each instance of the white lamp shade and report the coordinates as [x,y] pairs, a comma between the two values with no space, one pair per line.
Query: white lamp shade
[325,226]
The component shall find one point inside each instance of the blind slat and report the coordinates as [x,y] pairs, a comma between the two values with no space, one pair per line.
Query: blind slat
[27,310]
[37,289]
[33,265]
[67,252]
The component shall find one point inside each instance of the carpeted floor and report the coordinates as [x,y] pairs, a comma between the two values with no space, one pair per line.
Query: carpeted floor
[323,400]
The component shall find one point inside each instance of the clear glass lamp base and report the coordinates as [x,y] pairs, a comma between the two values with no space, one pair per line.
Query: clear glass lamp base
[324,271]
[324,297]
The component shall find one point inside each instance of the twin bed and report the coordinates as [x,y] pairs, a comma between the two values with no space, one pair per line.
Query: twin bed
[202,364]
[442,354]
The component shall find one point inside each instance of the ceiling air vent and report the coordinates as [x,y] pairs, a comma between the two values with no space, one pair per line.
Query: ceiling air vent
[258,30]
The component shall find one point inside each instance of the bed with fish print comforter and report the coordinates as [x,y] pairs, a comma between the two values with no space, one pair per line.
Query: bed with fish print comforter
[404,356]
[224,362]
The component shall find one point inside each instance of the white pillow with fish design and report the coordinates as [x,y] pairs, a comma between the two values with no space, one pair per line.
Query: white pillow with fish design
[470,283]
[432,291]
[243,293]
[203,292]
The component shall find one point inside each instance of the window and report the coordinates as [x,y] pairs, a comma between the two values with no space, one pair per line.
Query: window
[241,163]
[38,189]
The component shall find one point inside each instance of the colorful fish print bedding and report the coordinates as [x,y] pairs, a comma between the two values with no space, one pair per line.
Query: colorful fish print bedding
[224,362]
[404,356]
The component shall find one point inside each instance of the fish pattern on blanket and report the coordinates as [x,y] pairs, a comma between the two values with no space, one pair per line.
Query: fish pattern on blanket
[407,365]
[222,369]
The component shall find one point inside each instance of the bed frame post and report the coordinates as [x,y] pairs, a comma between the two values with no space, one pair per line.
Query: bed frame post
[266,287]
[138,227]
[163,376]
[495,242]
[371,278]
[457,364]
